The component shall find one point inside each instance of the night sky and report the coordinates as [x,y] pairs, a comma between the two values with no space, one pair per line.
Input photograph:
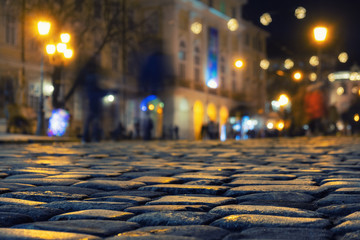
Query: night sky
[291,37]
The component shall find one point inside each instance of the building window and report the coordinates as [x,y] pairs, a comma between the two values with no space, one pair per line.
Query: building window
[10,29]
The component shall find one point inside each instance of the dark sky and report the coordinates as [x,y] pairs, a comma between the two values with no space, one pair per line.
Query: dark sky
[291,37]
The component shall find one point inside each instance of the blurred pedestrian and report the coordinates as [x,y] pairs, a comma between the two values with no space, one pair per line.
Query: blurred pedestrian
[176,132]
[315,108]
[90,77]
[148,126]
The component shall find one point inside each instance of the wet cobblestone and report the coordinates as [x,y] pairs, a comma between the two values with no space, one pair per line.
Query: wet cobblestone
[301,188]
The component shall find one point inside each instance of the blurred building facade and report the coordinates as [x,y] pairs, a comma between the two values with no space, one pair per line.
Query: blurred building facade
[180,73]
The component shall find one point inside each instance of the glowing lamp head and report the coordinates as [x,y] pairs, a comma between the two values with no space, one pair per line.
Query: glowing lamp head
[300,13]
[212,83]
[270,125]
[196,27]
[61,47]
[43,27]
[65,37]
[233,24]
[356,117]
[50,49]
[264,64]
[239,63]
[280,125]
[343,57]
[68,53]
[265,19]
[297,76]
[320,34]
[283,100]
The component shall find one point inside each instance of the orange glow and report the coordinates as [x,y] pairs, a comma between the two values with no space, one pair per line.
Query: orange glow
[356,117]
[211,112]
[239,63]
[280,73]
[320,34]
[297,76]
[198,119]
[280,125]
[159,110]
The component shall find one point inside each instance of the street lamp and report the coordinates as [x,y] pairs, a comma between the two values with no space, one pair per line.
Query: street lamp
[320,34]
[43,30]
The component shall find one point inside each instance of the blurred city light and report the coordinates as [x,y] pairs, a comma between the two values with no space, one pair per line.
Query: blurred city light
[65,37]
[300,13]
[68,53]
[356,117]
[265,19]
[331,77]
[340,91]
[343,57]
[196,27]
[60,47]
[354,90]
[280,125]
[239,63]
[314,61]
[297,76]
[288,64]
[212,84]
[280,73]
[270,125]
[151,107]
[44,27]
[233,24]
[58,122]
[264,64]
[50,49]
[354,76]
[320,34]
[283,100]
[313,77]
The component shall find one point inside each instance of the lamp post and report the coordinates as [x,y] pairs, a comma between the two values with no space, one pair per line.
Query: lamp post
[43,29]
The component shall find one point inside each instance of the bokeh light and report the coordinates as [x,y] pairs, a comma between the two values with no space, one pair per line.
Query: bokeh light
[265,19]
[356,117]
[313,77]
[264,64]
[239,63]
[233,24]
[300,13]
[196,27]
[283,100]
[50,49]
[331,77]
[340,91]
[58,122]
[297,76]
[314,61]
[343,57]
[288,64]
[320,34]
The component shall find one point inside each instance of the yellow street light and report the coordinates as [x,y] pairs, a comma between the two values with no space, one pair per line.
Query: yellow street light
[297,76]
[343,57]
[50,49]
[264,64]
[233,24]
[288,63]
[43,27]
[356,117]
[283,100]
[68,53]
[320,34]
[65,37]
[314,61]
[313,77]
[61,47]
[239,63]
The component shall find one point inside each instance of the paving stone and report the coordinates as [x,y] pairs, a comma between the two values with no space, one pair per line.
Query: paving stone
[352,236]
[188,200]
[264,176]
[241,182]
[15,186]
[339,184]
[339,210]
[65,189]
[37,213]
[281,234]
[195,231]
[145,194]
[186,189]
[278,197]
[47,196]
[243,190]
[43,181]
[337,199]
[70,176]
[14,201]
[4,190]
[244,221]
[347,226]
[99,214]
[172,218]
[131,199]
[32,234]
[8,219]
[263,210]
[84,205]
[101,228]
[353,190]
[350,217]
[200,176]
[156,180]
[155,208]
[109,185]
[151,237]
[27,176]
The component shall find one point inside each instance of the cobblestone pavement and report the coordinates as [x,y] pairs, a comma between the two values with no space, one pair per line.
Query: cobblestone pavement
[297,189]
